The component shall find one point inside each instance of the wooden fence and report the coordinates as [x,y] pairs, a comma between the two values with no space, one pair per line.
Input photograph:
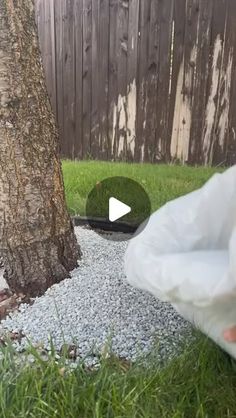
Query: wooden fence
[142,80]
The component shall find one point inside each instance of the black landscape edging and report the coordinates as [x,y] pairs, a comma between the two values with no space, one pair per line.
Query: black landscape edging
[104,224]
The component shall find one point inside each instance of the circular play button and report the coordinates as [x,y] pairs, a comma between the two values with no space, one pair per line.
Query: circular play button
[117,208]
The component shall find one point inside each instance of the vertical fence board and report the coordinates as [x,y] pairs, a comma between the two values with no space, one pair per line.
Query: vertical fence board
[122,50]
[166,9]
[190,57]
[222,116]
[225,70]
[142,72]
[87,76]
[65,145]
[152,76]
[176,88]
[103,77]
[132,74]
[201,79]
[215,68]
[78,13]
[112,86]
[69,76]
[59,71]
[95,127]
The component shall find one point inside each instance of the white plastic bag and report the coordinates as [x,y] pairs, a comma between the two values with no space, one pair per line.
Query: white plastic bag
[187,255]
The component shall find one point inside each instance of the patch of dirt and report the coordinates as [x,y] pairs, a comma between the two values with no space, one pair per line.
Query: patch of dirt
[10,302]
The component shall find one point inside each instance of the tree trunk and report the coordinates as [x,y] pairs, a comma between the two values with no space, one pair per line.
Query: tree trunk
[37,240]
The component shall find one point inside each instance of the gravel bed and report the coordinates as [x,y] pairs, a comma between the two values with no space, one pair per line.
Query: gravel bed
[97,310]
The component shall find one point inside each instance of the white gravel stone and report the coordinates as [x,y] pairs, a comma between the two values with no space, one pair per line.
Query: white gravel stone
[97,310]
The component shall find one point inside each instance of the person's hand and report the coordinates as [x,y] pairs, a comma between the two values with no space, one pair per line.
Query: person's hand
[230,335]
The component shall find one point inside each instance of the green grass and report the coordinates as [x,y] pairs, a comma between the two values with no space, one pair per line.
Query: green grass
[200,383]
[161,182]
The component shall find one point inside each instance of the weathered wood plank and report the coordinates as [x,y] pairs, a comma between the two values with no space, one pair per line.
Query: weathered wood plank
[221,126]
[65,149]
[191,54]
[132,77]
[199,98]
[188,66]
[71,77]
[78,12]
[164,78]
[122,49]
[209,142]
[87,76]
[177,71]
[151,82]
[95,126]
[67,146]
[59,71]
[145,7]
[112,80]
[103,77]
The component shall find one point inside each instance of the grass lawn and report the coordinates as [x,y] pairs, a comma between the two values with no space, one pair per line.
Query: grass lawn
[199,383]
[161,182]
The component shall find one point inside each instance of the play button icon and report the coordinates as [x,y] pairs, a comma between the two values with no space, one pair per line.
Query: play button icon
[117,209]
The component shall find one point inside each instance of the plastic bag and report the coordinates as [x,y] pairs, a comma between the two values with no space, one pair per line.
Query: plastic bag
[187,255]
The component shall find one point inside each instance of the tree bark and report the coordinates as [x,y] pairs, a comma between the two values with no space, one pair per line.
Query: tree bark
[37,240]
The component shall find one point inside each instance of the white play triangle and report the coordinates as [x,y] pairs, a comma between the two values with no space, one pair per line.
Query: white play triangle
[117,209]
